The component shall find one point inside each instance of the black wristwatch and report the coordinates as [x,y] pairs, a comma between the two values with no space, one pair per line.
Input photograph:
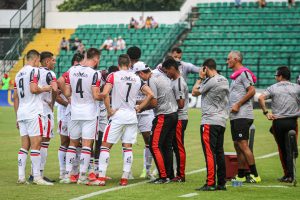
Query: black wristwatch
[265,112]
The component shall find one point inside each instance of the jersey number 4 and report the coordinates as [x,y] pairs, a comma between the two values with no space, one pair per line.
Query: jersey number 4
[79,87]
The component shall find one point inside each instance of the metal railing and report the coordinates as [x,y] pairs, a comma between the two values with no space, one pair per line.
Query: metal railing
[23,26]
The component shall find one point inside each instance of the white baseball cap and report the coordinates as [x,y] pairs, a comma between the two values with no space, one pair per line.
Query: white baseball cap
[140,66]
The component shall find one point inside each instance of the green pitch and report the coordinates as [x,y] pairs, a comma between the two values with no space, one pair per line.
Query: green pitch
[268,168]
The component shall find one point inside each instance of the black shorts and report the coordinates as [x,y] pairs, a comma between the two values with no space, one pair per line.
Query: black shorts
[240,128]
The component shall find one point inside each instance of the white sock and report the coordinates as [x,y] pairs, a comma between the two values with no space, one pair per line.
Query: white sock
[70,158]
[91,165]
[75,170]
[103,161]
[127,161]
[147,159]
[22,156]
[84,160]
[96,166]
[62,151]
[35,157]
[44,155]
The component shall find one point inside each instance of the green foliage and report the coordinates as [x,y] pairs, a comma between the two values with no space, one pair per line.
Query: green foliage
[120,5]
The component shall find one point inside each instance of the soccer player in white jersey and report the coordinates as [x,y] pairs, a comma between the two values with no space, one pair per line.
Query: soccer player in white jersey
[47,77]
[144,118]
[29,108]
[63,118]
[82,82]
[123,120]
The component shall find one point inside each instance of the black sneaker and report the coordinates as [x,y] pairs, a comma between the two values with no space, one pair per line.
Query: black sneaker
[178,179]
[206,188]
[48,180]
[286,179]
[162,181]
[221,187]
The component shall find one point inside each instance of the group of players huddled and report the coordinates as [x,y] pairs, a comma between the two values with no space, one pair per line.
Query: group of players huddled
[97,108]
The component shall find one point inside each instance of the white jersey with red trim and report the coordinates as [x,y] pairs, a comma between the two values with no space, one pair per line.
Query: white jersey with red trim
[82,79]
[46,77]
[30,105]
[126,86]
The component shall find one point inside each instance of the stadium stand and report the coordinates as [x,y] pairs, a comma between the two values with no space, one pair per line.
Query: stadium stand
[154,43]
[268,37]
[46,40]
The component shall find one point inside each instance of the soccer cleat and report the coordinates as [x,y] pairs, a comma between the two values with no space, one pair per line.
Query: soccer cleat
[108,178]
[221,187]
[98,182]
[150,177]
[48,180]
[22,181]
[92,176]
[237,178]
[178,179]
[41,181]
[206,188]
[82,181]
[66,181]
[73,178]
[162,181]
[286,179]
[30,179]
[130,177]
[254,179]
[143,174]
[61,177]
[123,182]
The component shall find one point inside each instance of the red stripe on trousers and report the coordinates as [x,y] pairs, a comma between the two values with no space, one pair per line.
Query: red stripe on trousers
[209,156]
[106,133]
[41,126]
[49,128]
[156,151]
[181,148]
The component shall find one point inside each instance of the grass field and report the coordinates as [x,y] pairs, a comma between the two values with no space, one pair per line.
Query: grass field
[268,168]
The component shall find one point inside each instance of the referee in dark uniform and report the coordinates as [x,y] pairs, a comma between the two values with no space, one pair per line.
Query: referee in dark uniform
[285,104]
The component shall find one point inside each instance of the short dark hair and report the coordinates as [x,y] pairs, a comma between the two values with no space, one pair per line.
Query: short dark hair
[113,68]
[210,63]
[32,54]
[77,57]
[284,71]
[92,53]
[123,60]
[177,49]
[170,63]
[134,53]
[45,54]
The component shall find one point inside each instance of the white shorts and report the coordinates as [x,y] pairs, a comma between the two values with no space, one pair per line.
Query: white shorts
[62,128]
[145,123]
[31,127]
[48,126]
[85,129]
[126,132]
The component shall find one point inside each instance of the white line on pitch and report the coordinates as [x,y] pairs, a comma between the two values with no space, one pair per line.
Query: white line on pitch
[189,195]
[262,186]
[143,182]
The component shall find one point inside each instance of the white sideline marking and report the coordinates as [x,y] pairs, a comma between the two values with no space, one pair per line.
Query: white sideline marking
[189,195]
[143,182]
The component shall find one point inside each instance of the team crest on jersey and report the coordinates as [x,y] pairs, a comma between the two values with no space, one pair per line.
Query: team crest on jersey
[128,78]
[22,74]
[80,74]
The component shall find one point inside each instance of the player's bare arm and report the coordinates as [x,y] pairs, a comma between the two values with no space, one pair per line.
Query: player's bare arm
[35,89]
[262,102]
[60,100]
[105,94]
[145,104]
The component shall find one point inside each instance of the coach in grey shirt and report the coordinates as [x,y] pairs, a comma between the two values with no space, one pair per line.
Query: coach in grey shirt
[241,94]
[163,129]
[285,104]
[214,91]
